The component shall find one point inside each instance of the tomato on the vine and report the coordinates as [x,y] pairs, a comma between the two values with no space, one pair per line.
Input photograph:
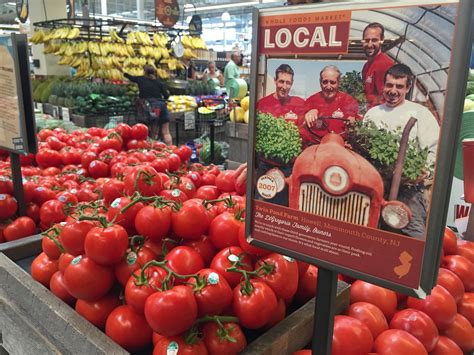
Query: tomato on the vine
[218,343]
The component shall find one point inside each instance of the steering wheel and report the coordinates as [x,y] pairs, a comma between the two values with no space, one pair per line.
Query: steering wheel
[322,124]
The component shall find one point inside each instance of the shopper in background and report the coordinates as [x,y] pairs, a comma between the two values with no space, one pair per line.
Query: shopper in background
[211,73]
[152,103]
[377,64]
[231,70]
[395,114]
[331,105]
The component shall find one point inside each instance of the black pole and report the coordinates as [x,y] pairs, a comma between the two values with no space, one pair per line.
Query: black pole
[17,183]
[324,312]
[177,131]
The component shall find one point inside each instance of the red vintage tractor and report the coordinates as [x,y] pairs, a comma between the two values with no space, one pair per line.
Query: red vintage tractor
[331,180]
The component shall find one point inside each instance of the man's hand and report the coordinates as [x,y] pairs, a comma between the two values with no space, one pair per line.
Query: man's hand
[240,178]
[310,117]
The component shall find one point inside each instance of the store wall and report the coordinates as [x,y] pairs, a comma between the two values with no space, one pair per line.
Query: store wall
[42,11]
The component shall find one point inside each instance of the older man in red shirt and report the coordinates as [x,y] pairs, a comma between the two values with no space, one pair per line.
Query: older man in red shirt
[377,64]
[329,110]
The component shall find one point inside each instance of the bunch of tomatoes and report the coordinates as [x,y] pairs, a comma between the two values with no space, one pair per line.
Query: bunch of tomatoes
[381,321]
[148,247]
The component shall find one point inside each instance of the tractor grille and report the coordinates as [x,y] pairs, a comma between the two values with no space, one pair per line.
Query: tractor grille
[353,207]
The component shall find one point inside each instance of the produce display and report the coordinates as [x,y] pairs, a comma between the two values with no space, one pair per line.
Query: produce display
[240,114]
[181,103]
[276,138]
[102,56]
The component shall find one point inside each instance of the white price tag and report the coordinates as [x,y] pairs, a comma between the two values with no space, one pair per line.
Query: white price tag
[66,116]
[55,112]
[189,120]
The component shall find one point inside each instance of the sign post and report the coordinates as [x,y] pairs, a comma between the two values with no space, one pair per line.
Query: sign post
[315,190]
[17,120]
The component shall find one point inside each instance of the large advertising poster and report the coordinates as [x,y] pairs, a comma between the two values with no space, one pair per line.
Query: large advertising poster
[348,113]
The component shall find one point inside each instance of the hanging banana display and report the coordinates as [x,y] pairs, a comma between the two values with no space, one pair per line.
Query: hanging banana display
[102,57]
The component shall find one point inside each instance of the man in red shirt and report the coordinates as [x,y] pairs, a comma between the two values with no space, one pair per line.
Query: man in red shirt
[328,110]
[377,64]
[281,103]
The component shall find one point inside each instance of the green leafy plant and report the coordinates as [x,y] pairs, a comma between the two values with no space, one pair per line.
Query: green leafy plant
[380,147]
[353,84]
[276,138]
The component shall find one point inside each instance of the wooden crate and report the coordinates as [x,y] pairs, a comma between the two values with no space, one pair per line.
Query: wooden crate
[22,248]
[34,321]
[237,137]
[30,311]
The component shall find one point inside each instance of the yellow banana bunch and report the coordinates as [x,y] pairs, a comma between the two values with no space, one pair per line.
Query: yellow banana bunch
[187,42]
[147,51]
[160,39]
[165,53]
[163,74]
[198,43]
[134,71]
[115,37]
[38,37]
[189,54]
[73,33]
[94,48]
[144,38]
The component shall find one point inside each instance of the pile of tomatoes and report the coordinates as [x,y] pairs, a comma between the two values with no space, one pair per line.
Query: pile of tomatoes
[381,321]
[148,247]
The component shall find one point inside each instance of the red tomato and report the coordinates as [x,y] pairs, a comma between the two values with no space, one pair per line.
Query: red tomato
[307,285]
[212,292]
[281,276]
[55,143]
[20,228]
[383,298]
[97,312]
[370,315]
[6,185]
[208,179]
[171,312]
[466,306]
[106,246]
[72,236]
[451,282]
[153,222]
[126,219]
[58,288]
[418,324]
[446,346]
[184,152]
[87,158]
[50,245]
[139,287]
[64,260]
[254,310]
[224,230]
[278,315]
[8,206]
[184,260]
[350,336]
[52,211]
[217,343]
[160,165]
[174,161]
[67,197]
[248,248]
[191,221]
[143,179]
[98,169]
[226,258]
[440,306]
[174,195]
[48,157]
[165,345]
[87,280]
[112,189]
[124,130]
[207,192]
[42,194]
[128,328]
[225,181]
[43,268]
[303,352]
[462,333]
[463,268]
[111,141]
[133,260]
[204,247]
[449,242]
[466,249]
[139,131]
[396,341]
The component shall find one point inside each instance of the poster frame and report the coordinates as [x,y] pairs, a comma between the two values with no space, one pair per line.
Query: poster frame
[453,107]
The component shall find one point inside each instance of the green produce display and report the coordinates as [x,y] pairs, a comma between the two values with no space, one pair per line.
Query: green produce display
[276,138]
[380,147]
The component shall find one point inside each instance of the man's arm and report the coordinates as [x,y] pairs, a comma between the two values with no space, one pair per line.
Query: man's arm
[428,132]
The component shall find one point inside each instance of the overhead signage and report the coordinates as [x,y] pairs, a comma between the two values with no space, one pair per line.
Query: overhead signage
[167,12]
